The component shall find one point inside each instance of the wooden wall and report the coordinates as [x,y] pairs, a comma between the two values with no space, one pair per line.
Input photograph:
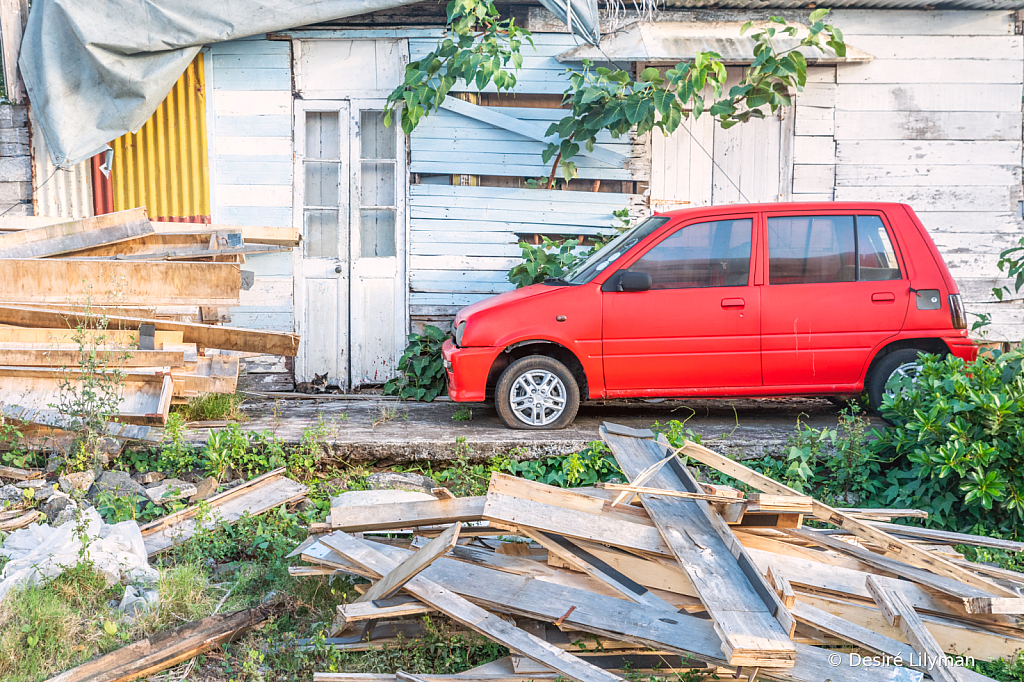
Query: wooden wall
[249,129]
[935,121]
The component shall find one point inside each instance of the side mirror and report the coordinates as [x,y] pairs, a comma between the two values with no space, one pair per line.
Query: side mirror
[634,281]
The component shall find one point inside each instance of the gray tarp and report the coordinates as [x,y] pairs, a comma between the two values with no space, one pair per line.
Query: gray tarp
[97,70]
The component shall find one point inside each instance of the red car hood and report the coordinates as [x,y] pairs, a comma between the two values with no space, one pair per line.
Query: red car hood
[504,299]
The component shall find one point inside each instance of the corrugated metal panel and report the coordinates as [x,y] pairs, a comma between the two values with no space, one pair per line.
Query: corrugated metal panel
[57,192]
[164,166]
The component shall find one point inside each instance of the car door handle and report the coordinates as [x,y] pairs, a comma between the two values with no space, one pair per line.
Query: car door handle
[733,303]
[884,297]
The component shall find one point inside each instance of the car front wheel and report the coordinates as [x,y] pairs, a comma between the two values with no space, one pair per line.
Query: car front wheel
[537,392]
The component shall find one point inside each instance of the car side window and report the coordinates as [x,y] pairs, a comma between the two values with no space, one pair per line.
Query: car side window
[712,254]
[833,248]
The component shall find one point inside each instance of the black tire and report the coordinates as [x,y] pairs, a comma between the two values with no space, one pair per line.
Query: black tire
[546,418]
[884,369]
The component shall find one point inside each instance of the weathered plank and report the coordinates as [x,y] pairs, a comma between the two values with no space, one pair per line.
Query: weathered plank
[393,580]
[470,615]
[68,237]
[57,281]
[957,152]
[143,400]
[624,620]
[355,519]
[932,71]
[208,336]
[927,125]
[70,355]
[736,595]
[928,97]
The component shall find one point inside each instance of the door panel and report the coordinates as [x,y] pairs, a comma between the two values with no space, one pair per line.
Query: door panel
[698,326]
[322,265]
[377,245]
[833,294]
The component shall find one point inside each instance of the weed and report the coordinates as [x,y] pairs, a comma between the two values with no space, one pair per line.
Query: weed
[463,414]
[211,407]
[421,374]
[592,464]
[439,651]
[177,455]
[386,414]
[12,450]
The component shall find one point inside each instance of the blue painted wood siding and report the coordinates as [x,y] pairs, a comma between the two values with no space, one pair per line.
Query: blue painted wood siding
[463,239]
[249,121]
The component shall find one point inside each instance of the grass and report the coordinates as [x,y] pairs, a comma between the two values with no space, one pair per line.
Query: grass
[211,407]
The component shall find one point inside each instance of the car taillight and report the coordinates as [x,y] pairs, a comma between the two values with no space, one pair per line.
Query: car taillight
[956,311]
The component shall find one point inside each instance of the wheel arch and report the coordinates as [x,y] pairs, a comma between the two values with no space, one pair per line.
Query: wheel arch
[552,349]
[927,344]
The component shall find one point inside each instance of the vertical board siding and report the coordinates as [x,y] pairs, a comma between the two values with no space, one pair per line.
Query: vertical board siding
[935,121]
[164,166]
[463,240]
[250,137]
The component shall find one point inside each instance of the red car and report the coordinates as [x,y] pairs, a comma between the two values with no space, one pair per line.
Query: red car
[742,300]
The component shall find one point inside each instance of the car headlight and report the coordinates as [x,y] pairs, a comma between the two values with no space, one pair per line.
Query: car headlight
[459,332]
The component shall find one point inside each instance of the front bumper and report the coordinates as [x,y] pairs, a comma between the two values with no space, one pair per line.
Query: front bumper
[467,370]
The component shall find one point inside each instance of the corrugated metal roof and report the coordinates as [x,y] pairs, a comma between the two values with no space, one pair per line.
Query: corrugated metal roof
[676,41]
[1006,5]
[164,166]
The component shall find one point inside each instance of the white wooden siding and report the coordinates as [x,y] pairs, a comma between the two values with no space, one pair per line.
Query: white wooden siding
[463,240]
[249,104]
[935,121]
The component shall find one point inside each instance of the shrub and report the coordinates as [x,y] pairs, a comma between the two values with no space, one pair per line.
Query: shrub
[548,259]
[957,441]
[421,368]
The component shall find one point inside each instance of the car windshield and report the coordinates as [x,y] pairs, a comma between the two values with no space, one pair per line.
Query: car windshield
[610,252]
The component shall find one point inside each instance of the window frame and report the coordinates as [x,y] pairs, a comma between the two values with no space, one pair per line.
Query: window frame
[890,233]
[670,229]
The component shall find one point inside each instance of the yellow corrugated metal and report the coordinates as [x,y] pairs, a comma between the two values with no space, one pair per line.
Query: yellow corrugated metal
[164,166]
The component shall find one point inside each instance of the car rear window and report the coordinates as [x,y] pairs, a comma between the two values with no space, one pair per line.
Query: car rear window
[831,248]
[712,254]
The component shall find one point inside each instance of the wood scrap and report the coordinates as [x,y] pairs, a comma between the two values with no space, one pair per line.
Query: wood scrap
[356,519]
[19,521]
[144,399]
[253,497]
[68,237]
[70,355]
[165,649]
[208,336]
[129,283]
[17,474]
[277,236]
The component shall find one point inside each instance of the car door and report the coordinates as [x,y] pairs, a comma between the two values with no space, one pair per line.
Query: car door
[697,327]
[835,290]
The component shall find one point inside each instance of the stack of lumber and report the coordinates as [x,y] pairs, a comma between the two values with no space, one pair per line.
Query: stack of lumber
[768,585]
[119,293]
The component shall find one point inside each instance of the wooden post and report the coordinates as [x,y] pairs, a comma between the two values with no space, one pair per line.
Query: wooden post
[13,15]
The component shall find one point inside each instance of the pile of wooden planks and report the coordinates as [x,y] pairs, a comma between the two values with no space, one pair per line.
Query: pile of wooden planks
[118,293]
[767,584]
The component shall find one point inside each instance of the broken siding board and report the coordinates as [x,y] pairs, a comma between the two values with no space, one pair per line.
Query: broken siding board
[253,497]
[713,559]
[623,620]
[967,199]
[931,71]
[469,614]
[72,236]
[905,175]
[208,336]
[55,281]
[928,151]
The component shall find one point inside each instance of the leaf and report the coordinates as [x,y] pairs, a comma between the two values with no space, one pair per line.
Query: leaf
[663,100]
[32,640]
[110,627]
[636,107]
[649,74]
[817,15]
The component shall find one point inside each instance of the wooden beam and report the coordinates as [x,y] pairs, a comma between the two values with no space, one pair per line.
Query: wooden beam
[103,282]
[100,339]
[166,649]
[781,585]
[69,355]
[251,234]
[357,611]
[13,15]
[901,614]
[356,519]
[908,553]
[469,614]
[208,336]
[63,238]
[742,605]
[949,537]
[623,620]
[413,566]
[16,474]
[668,493]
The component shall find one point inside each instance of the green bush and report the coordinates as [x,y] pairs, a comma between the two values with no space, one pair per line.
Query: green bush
[956,447]
[421,368]
[591,465]
[548,259]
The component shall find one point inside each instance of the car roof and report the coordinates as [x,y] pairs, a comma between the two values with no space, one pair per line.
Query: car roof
[801,206]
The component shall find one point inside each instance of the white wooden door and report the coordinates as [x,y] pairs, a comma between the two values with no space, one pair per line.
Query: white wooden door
[703,164]
[322,212]
[377,244]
